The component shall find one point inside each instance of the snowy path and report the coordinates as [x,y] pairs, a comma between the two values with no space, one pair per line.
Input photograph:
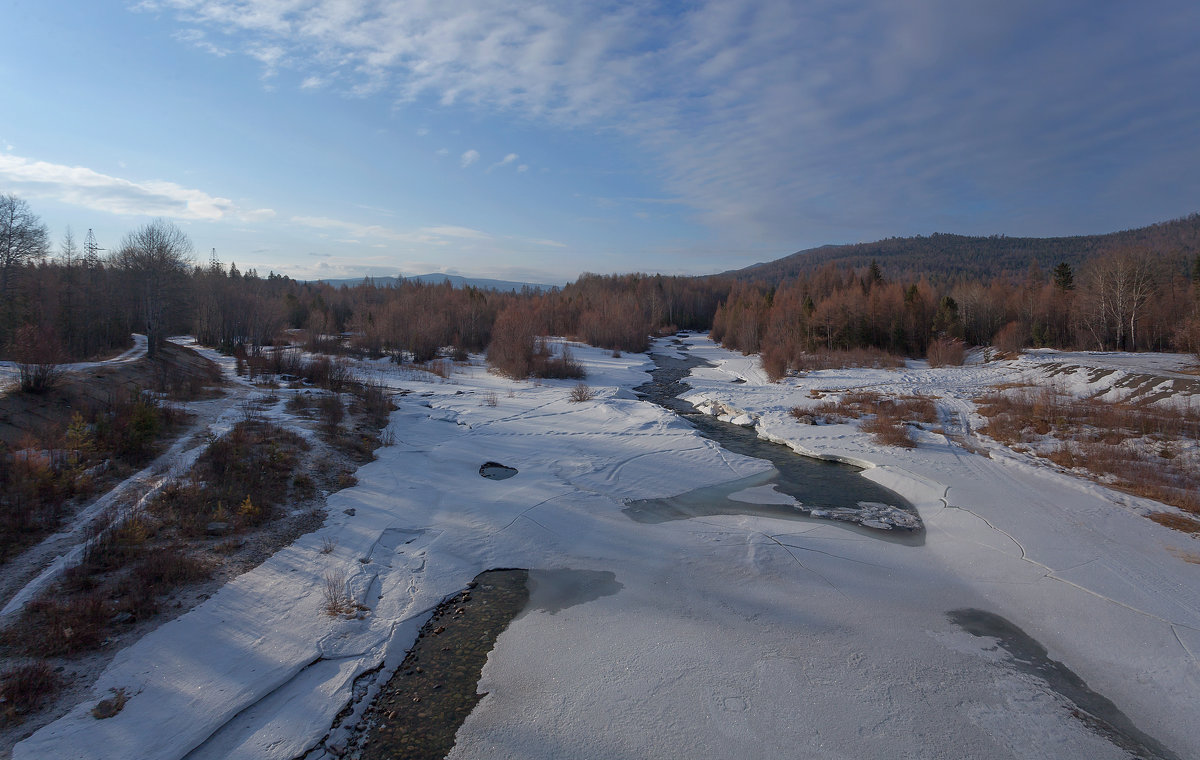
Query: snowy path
[716,637]
[36,568]
[9,371]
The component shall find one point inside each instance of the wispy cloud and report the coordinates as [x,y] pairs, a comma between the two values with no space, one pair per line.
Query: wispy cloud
[198,39]
[779,118]
[509,159]
[435,235]
[468,158]
[85,187]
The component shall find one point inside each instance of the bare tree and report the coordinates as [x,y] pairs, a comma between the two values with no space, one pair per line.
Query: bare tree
[1116,290]
[23,237]
[156,257]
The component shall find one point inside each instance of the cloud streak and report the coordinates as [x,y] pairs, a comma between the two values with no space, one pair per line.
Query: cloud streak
[777,119]
[85,187]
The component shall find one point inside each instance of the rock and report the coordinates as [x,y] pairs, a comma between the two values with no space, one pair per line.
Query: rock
[121,618]
[350,511]
[218,528]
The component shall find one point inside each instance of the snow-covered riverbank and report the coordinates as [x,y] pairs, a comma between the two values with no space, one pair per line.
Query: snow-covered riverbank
[727,635]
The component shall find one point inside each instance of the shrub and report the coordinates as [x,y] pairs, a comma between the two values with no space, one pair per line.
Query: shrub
[25,688]
[64,626]
[337,598]
[38,355]
[562,366]
[946,352]
[1010,339]
[581,392]
[511,351]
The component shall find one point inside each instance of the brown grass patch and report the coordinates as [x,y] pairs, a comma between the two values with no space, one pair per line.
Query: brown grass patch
[885,418]
[888,430]
[846,359]
[1176,522]
[1128,445]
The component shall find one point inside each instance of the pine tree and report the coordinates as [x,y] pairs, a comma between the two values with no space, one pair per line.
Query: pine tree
[1064,278]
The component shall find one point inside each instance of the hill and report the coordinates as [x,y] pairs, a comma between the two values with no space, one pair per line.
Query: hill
[943,256]
[438,278]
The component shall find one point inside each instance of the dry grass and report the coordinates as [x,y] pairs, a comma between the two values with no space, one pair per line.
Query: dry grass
[888,430]
[1181,523]
[846,359]
[25,688]
[337,599]
[50,626]
[885,418]
[1131,447]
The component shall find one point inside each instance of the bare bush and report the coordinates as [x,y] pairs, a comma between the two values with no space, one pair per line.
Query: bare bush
[582,392]
[561,365]
[337,598]
[39,358]
[332,413]
[946,352]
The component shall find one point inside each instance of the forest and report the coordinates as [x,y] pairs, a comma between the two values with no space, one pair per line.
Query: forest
[64,302]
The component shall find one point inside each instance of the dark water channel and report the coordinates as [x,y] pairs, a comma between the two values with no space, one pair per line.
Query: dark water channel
[1093,710]
[824,490]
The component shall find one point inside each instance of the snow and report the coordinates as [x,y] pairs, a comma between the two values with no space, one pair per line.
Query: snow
[718,636]
[10,371]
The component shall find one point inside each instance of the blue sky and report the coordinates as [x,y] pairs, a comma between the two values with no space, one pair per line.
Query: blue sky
[534,141]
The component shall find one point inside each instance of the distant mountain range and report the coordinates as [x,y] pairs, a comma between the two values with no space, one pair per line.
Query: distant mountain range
[455,280]
[944,256]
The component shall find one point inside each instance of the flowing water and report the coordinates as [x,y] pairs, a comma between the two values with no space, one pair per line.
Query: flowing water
[820,489]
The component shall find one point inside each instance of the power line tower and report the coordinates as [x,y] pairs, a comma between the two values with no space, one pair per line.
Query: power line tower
[91,251]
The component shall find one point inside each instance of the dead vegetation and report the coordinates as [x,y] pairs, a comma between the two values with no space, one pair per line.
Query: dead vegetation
[43,475]
[582,392]
[25,688]
[85,434]
[251,491]
[846,359]
[1145,450]
[887,419]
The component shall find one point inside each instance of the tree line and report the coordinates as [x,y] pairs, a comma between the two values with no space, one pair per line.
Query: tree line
[1126,300]
[75,304]
[70,303]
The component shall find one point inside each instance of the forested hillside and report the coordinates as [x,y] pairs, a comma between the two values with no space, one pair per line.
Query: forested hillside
[943,257]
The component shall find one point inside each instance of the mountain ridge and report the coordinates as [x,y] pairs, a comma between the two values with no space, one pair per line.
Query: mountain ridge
[947,255]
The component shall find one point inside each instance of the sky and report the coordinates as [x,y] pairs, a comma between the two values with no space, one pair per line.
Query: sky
[533,141]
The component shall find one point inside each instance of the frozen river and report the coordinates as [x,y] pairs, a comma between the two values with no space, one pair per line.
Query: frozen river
[725,633]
